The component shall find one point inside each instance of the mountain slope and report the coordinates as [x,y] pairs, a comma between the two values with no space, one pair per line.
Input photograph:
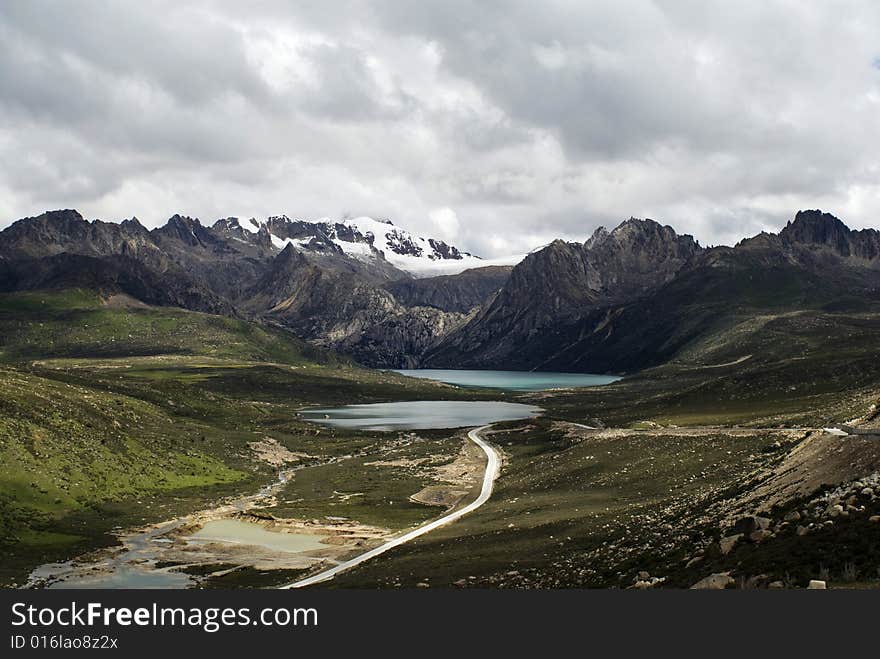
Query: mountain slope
[338,309]
[561,283]
[461,292]
[711,309]
[325,280]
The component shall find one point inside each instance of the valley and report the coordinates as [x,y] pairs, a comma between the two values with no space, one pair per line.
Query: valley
[663,427]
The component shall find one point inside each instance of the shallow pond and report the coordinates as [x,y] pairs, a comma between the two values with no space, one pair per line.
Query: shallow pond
[235,531]
[422,414]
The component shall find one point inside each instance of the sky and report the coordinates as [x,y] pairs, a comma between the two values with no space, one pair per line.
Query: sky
[496,126]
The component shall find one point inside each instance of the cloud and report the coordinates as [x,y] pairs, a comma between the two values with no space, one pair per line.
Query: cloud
[445,222]
[717,118]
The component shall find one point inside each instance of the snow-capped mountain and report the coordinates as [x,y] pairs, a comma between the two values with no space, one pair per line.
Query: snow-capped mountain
[362,238]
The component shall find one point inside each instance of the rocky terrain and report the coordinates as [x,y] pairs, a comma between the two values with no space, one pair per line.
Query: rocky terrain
[637,296]
[329,282]
[641,295]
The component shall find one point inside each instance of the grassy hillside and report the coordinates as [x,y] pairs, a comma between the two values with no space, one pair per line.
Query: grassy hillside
[113,415]
[581,508]
[65,448]
[78,323]
[575,508]
[791,368]
[704,305]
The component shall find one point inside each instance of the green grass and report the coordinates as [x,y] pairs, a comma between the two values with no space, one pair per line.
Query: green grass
[115,417]
[376,494]
[806,368]
[66,447]
[571,511]
[42,325]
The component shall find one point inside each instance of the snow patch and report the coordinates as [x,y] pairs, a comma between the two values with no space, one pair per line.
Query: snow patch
[421,257]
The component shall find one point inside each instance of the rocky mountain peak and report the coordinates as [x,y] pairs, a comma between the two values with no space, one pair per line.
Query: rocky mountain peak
[599,235]
[186,230]
[815,228]
[638,235]
[64,216]
[59,231]
[56,223]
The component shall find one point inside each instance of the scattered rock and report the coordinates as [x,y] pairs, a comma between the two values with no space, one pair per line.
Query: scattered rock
[694,561]
[775,584]
[728,543]
[752,523]
[650,582]
[802,530]
[760,535]
[717,581]
[793,516]
[755,582]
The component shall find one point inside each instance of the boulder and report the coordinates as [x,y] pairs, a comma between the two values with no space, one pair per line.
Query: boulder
[727,544]
[793,516]
[755,581]
[759,536]
[750,524]
[775,584]
[816,584]
[874,518]
[717,581]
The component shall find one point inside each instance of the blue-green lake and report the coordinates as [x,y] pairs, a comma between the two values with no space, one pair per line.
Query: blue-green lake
[510,380]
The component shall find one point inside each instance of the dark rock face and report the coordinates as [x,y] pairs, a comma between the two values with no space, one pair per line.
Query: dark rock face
[561,283]
[60,231]
[338,309]
[319,291]
[817,229]
[461,293]
[108,275]
[653,294]
[626,299]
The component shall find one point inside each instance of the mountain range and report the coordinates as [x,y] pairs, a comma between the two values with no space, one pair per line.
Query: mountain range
[626,299]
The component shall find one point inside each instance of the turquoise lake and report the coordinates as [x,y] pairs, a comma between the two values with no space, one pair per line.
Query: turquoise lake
[510,380]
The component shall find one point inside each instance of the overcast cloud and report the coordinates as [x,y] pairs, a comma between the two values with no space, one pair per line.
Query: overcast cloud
[498,126]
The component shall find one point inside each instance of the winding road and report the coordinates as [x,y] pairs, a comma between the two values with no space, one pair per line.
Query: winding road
[492,467]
